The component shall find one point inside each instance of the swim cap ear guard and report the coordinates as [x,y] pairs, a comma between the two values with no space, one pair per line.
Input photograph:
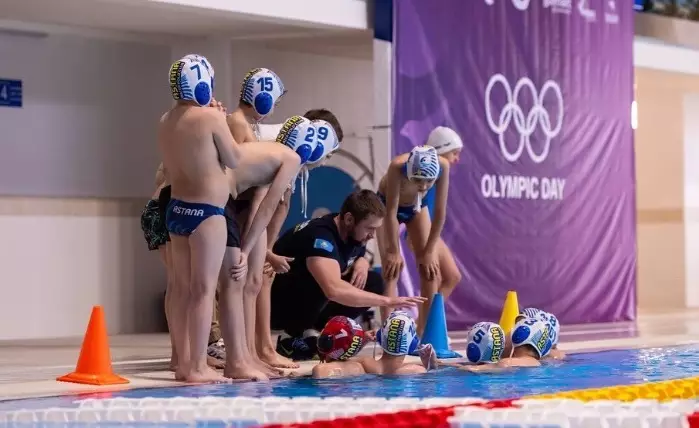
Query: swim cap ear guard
[485,343]
[327,142]
[262,89]
[398,335]
[191,80]
[535,333]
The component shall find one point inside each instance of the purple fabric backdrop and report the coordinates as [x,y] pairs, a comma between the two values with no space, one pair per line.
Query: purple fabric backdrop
[543,200]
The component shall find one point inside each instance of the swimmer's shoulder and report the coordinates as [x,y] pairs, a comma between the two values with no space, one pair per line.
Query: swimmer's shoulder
[444,165]
[399,161]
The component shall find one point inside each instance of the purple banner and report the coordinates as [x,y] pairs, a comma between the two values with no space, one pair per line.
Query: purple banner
[543,200]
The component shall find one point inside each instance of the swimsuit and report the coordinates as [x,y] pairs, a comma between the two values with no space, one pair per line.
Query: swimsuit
[183,218]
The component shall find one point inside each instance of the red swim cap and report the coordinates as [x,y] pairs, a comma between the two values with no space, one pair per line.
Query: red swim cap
[341,339]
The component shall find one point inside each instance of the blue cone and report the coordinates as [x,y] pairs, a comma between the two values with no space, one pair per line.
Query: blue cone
[436,330]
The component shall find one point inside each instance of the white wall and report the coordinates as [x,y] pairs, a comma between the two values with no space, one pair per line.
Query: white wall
[61,256]
[691,199]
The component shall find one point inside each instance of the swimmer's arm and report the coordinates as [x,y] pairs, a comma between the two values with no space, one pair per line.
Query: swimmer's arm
[275,225]
[223,139]
[393,178]
[289,169]
[440,206]
[337,369]
[410,368]
[160,176]
[327,274]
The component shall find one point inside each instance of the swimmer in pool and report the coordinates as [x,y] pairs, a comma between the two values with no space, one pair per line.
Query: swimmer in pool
[273,166]
[531,340]
[549,318]
[398,338]
[196,146]
[410,176]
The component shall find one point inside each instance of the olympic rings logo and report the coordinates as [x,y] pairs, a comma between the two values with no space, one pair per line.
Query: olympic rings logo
[525,125]
[519,4]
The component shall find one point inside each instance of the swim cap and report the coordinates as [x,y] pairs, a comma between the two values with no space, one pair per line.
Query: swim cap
[423,163]
[553,322]
[191,80]
[398,335]
[327,142]
[533,332]
[444,140]
[299,134]
[341,339]
[262,89]
[485,343]
[530,312]
[203,60]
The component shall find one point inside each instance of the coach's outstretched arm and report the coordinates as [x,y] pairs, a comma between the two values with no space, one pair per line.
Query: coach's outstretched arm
[327,274]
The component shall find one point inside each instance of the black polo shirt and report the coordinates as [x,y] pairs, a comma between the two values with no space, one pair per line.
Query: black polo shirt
[318,237]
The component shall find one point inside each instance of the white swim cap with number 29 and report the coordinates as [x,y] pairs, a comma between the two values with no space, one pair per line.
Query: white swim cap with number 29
[327,142]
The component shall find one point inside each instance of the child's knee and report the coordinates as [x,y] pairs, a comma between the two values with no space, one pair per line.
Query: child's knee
[254,283]
[451,277]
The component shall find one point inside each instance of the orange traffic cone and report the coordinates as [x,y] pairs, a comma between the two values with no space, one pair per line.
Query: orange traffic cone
[95,364]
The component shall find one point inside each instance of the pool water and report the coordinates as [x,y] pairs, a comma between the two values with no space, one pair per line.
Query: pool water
[585,370]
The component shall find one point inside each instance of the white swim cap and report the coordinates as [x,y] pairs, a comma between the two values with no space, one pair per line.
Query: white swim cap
[203,60]
[262,89]
[485,343]
[423,163]
[533,332]
[300,135]
[191,80]
[444,140]
[327,142]
[398,335]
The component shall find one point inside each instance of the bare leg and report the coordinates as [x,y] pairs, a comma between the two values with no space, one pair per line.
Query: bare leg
[253,284]
[391,285]
[451,276]
[207,246]
[418,232]
[232,321]
[165,258]
[178,252]
[263,330]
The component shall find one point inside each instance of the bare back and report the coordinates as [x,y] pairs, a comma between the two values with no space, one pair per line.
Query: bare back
[186,142]
[240,127]
[408,191]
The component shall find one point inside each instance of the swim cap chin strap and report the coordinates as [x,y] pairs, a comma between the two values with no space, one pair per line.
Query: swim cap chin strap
[299,134]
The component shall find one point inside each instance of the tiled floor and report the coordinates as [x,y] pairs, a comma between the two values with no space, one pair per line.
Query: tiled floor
[28,369]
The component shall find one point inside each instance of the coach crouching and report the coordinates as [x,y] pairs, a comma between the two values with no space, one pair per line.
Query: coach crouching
[329,274]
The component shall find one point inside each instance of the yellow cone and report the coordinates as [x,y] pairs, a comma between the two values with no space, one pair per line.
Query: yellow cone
[510,310]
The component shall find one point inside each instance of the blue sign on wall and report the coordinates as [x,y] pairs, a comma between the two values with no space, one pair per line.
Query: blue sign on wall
[10,93]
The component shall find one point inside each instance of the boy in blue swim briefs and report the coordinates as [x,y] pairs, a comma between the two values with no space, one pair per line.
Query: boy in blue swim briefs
[196,145]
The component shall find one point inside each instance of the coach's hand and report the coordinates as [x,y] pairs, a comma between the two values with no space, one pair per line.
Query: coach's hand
[240,269]
[404,302]
[360,270]
[392,266]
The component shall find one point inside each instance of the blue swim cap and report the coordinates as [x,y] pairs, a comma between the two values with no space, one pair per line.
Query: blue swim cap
[191,80]
[327,142]
[398,335]
[423,163]
[262,89]
[485,343]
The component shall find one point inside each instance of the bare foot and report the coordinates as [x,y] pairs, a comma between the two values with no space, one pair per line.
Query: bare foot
[180,375]
[215,362]
[271,372]
[244,371]
[428,357]
[273,359]
[173,367]
[208,375]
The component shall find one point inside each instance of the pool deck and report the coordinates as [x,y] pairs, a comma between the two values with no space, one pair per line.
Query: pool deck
[29,368]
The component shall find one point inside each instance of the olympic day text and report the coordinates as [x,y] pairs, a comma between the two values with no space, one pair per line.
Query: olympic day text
[550,123]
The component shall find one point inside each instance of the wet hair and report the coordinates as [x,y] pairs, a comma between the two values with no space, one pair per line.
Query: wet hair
[361,204]
[328,116]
